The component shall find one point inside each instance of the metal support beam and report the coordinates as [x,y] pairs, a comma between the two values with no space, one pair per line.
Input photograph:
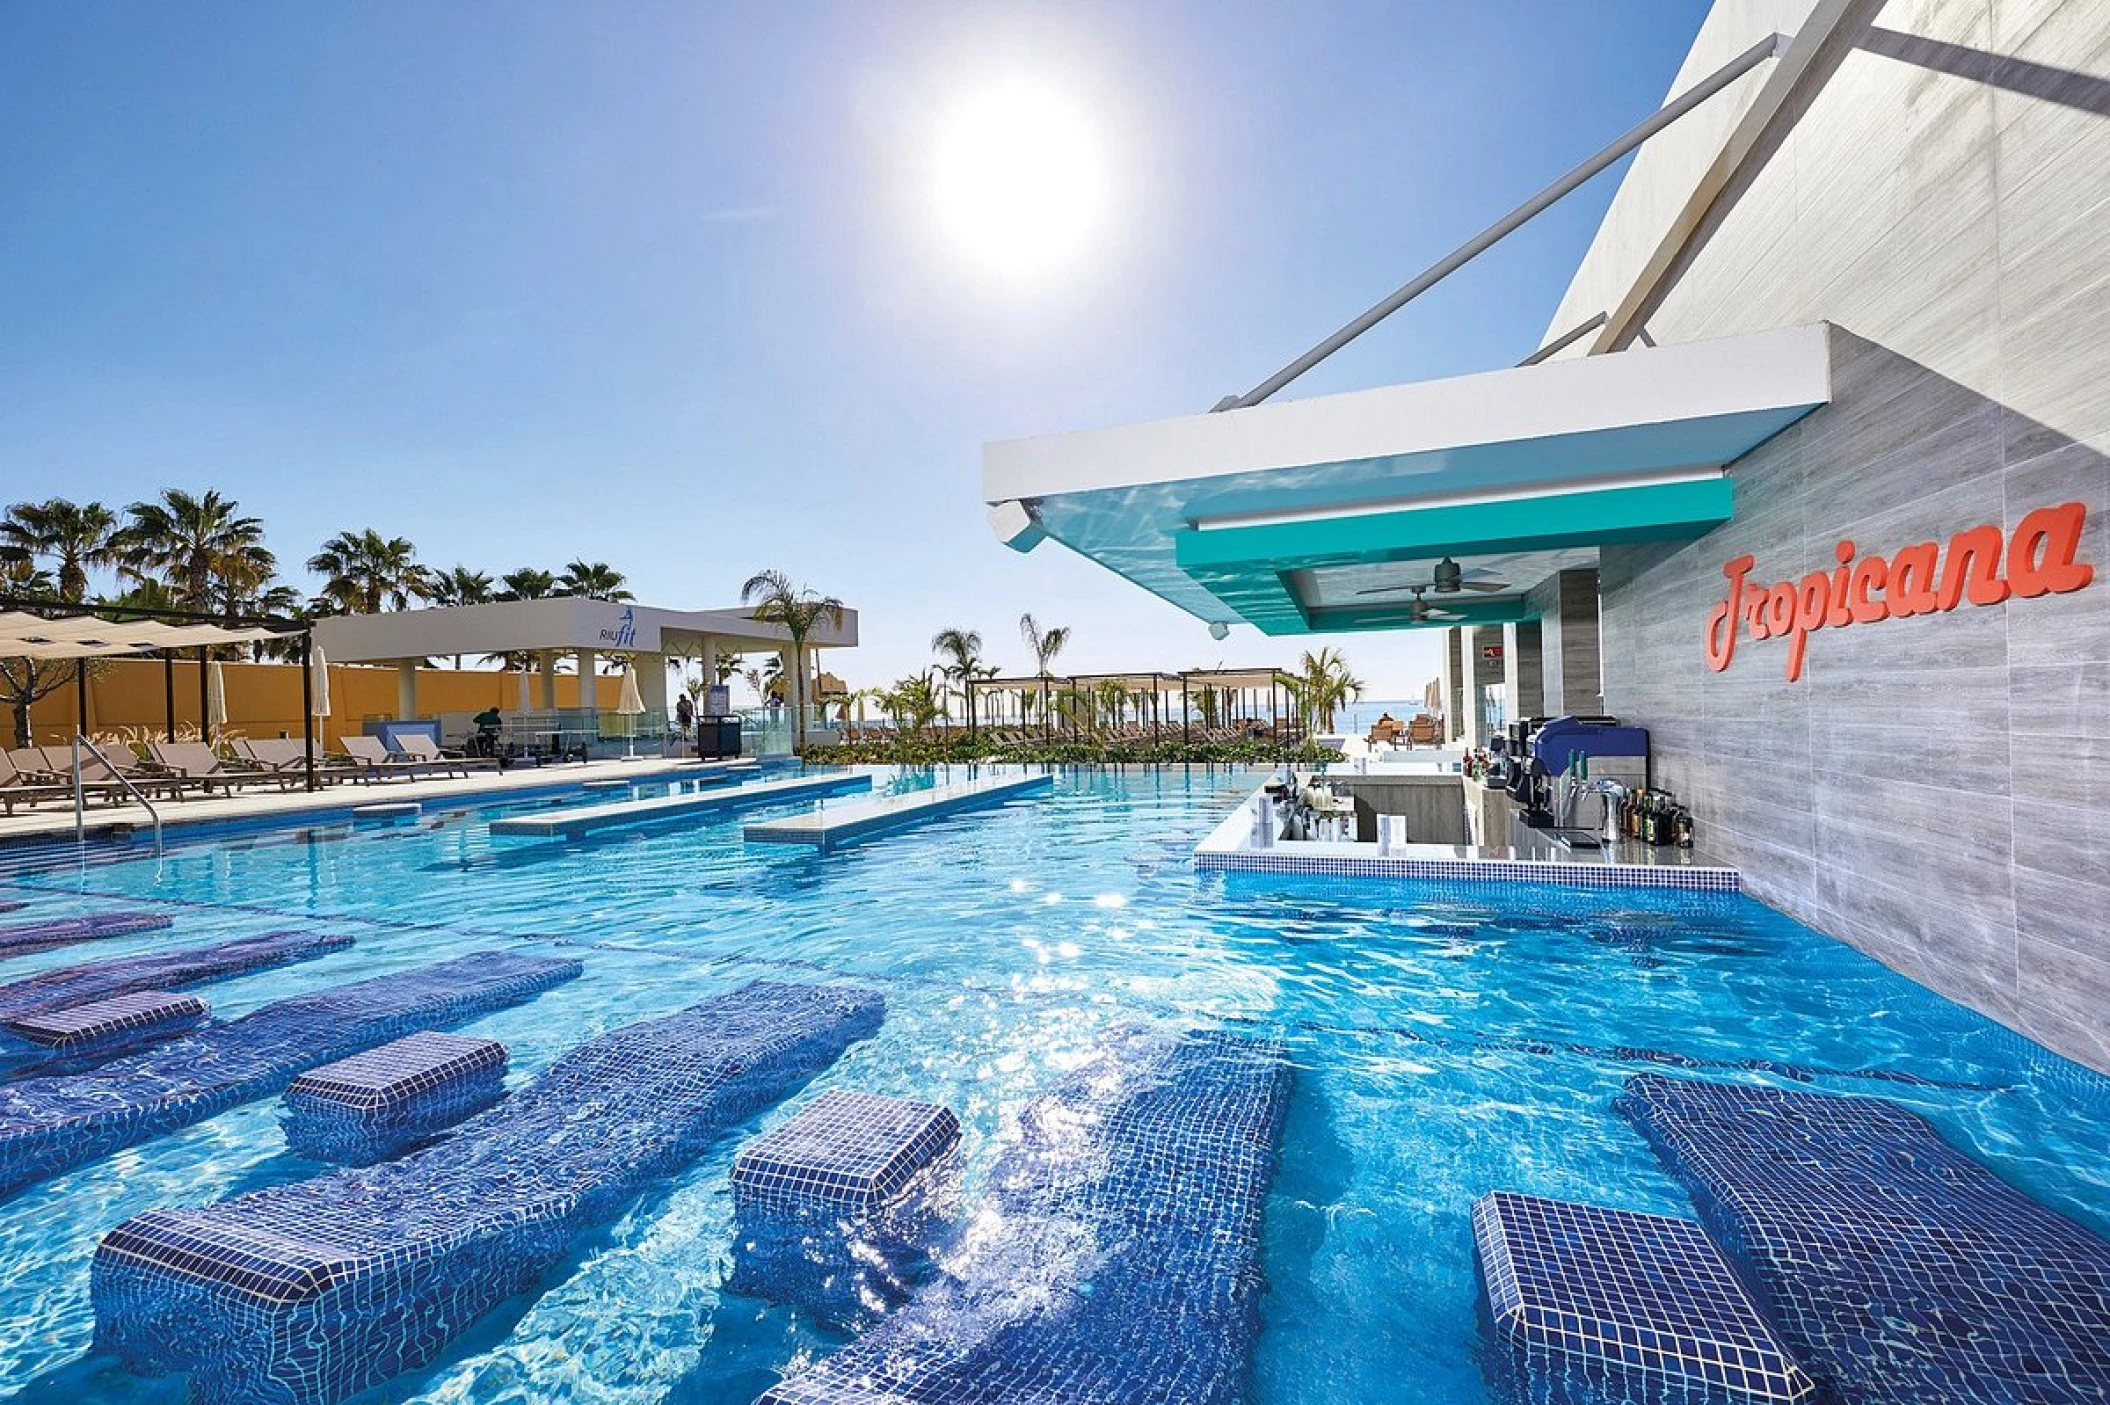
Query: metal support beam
[1564,341]
[1807,61]
[1501,229]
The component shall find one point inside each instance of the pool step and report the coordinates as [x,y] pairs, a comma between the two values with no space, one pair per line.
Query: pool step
[307,1293]
[1122,1261]
[378,1104]
[51,1125]
[831,826]
[26,938]
[1898,1270]
[162,970]
[551,824]
[1586,1304]
[835,1206]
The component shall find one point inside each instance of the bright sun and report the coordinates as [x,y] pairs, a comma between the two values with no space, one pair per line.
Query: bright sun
[1021,180]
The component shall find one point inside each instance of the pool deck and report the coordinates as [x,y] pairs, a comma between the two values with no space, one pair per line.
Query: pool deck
[55,820]
[585,819]
[825,829]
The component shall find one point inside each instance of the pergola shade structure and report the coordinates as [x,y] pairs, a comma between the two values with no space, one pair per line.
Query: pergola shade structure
[1323,514]
[46,631]
[1153,692]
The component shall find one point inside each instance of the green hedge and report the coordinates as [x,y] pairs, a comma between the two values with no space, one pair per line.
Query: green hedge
[961,747]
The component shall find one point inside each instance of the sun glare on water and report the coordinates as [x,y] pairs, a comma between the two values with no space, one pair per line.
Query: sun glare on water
[1021,179]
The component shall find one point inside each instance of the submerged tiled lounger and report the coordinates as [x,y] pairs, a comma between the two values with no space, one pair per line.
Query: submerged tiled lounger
[1124,1265]
[375,1105]
[1898,1270]
[310,1292]
[162,970]
[86,1033]
[834,1204]
[556,823]
[49,1125]
[827,828]
[1586,1305]
[28,937]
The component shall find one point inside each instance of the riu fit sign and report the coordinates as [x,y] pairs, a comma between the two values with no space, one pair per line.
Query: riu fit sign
[1981,566]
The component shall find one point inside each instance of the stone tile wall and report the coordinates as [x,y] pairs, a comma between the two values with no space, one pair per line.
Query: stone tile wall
[1935,790]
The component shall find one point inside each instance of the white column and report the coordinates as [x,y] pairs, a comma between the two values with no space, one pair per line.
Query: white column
[406,689]
[652,680]
[549,680]
[586,675]
[710,662]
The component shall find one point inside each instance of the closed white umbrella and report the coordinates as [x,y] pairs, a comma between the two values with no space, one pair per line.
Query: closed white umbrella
[629,703]
[319,666]
[215,698]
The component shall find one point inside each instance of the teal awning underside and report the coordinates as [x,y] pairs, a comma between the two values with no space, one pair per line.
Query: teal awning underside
[1306,516]
[1250,569]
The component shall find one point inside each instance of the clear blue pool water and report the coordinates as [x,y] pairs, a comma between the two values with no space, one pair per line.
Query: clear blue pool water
[1450,1039]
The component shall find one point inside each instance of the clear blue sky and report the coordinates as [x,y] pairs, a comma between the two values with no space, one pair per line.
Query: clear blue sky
[660,284]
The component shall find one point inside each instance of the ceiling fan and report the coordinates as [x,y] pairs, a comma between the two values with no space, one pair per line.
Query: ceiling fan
[1449,579]
[1420,612]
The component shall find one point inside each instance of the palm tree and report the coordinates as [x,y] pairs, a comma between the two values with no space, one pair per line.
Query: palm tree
[596,580]
[459,586]
[193,544]
[368,572]
[527,583]
[1045,644]
[1324,687]
[72,537]
[962,651]
[797,611]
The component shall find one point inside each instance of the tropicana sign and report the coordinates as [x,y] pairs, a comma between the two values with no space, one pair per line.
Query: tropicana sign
[1913,580]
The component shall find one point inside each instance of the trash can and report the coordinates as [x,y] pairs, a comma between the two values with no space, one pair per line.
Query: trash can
[717,738]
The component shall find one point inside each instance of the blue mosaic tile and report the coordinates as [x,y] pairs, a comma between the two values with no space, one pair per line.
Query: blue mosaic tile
[161,970]
[1585,1305]
[1898,1270]
[1118,1258]
[1584,875]
[143,1013]
[379,1104]
[845,1148]
[50,1125]
[835,1207]
[82,1036]
[24,938]
[306,1293]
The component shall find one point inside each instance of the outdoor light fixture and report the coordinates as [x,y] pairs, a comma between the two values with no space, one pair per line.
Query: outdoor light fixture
[1219,630]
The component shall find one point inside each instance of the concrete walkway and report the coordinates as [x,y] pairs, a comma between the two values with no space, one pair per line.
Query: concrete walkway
[54,820]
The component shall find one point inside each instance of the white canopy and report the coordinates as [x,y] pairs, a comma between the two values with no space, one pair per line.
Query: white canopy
[86,637]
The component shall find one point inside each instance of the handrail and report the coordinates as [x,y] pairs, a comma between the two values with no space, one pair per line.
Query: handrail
[80,817]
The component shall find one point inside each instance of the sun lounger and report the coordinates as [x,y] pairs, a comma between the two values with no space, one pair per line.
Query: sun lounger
[307,1293]
[1897,1270]
[1123,1263]
[198,762]
[27,786]
[161,970]
[419,748]
[288,756]
[109,780]
[377,761]
[50,1125]
[25,938]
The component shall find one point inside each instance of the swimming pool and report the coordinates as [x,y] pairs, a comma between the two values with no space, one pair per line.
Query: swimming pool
[1448,1040]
